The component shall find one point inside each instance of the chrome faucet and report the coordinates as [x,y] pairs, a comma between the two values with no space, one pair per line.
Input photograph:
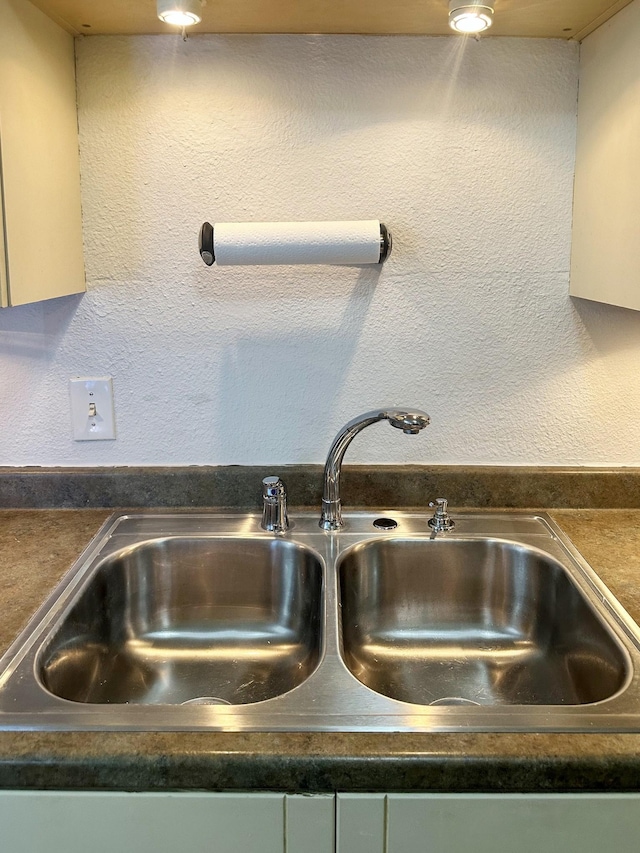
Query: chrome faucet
[274,505]
[410,421]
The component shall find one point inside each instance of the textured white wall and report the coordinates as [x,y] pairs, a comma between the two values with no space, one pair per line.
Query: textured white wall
[464,149]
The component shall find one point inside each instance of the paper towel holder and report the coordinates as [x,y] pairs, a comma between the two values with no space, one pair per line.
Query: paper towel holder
[208,254]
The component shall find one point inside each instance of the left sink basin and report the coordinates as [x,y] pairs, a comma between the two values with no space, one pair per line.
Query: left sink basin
[212,621]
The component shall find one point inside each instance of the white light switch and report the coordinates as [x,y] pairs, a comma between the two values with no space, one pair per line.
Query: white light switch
[92,413]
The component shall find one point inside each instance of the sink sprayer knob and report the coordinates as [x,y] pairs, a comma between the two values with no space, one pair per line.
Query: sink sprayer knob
[441,520]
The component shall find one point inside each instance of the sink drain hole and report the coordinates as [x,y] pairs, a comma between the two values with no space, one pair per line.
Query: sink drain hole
[385,523]
[206,700]
[453,700]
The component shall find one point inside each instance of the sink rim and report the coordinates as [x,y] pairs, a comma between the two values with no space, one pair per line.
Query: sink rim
[331,699]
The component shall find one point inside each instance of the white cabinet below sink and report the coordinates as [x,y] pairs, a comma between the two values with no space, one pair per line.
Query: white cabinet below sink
[104,822]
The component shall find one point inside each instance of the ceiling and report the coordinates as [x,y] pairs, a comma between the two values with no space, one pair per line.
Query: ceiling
[571,19]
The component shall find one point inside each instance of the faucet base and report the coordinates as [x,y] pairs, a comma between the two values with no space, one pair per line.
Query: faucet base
[331,517]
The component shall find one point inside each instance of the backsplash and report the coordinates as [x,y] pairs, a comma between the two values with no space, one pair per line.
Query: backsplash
[464,149]
[374,486]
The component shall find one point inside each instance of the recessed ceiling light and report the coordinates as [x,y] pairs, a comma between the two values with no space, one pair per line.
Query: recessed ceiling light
[179,13]
[469,18]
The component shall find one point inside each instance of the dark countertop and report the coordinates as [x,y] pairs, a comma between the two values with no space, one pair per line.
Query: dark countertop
[38,546]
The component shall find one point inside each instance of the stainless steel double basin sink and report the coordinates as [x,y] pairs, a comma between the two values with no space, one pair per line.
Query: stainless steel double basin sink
[205,621]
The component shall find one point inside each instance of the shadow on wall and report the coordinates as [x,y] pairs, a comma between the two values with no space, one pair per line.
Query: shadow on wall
[610,329]
[36,331]
[276,377]
[610,338]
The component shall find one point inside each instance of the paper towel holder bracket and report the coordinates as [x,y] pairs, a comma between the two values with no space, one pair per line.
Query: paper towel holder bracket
[206,244]
[386,243]
[208,255]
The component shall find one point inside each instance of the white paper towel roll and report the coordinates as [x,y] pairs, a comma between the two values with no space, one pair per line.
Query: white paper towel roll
[356,242]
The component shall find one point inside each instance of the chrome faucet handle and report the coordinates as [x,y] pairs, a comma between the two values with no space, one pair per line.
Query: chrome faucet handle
[441,520]
[274,505]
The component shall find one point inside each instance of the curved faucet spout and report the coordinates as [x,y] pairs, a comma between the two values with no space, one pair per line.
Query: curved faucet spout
[409,420]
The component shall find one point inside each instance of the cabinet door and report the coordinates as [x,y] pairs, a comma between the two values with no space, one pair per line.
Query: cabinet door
[605,261]
[490,823]
[40,167]
[88,822]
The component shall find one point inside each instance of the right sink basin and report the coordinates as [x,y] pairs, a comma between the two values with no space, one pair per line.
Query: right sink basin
[472,622]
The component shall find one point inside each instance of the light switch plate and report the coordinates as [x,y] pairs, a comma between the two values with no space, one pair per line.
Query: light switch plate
[92,412]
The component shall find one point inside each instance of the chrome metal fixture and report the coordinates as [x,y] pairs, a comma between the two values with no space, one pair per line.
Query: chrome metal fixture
[410,421]
[274,505]
[469,18]
[179,13]
[441,521]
